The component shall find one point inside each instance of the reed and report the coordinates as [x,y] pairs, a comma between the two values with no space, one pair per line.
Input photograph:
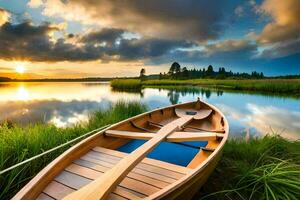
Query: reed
[267,168]
[126,84]
[20,143]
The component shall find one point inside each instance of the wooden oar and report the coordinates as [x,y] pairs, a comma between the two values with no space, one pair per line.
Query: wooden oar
[100,188]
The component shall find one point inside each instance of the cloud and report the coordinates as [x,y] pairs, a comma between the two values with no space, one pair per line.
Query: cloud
[4,16]
[196,20]
[229,46]
[221,52]
[285,22]
[108,36]
[266,118]
[282,49]
[34,43]
[35,3]
[239,11]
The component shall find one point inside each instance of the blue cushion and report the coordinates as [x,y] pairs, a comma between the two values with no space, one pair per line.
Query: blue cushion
[167,151]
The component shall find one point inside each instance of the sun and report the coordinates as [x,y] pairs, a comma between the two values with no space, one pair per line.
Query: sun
[20,69]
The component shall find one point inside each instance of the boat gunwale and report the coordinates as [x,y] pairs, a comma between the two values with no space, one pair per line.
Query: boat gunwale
[46,171]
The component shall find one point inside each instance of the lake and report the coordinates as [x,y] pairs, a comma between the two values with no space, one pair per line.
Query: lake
[64,104]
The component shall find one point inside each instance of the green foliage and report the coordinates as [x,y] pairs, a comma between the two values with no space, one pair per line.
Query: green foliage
[142,74]
[20,143]
[267,168]
[176,72]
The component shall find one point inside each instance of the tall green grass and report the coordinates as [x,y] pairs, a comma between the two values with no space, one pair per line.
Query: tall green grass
[260,85]
[126,84]
[267,168]
[20,143]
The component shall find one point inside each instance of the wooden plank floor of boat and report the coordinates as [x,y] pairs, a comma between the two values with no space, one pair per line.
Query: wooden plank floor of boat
[146,178]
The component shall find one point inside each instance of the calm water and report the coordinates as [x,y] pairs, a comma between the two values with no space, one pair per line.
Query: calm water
[67,103]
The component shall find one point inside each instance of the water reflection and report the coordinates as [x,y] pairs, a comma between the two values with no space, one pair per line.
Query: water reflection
[22,93]
[174,93]
[64,104]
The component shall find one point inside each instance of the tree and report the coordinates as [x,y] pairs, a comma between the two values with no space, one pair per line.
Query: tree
[262,75]
[160,76]
[185,73]
[174,69]
[210,71]
[142,74]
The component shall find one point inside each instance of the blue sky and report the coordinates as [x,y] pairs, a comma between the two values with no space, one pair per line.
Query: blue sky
[117,38]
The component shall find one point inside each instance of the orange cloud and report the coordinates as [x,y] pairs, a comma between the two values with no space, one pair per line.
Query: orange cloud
[4,16]
[285,24]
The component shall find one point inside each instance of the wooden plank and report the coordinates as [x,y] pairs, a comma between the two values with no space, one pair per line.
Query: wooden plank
[139,177]
[72,180]
[174,137]
[161,164]
[57,190]
[203,129]
[76,182]
[147,167]
[130,134]
[135,170]
[192,136]
[102,187]
[203,155]
[43,196]
[115,197]
[129,183]
[128,194]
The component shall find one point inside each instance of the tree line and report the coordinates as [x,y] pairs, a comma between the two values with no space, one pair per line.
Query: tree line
[178,72]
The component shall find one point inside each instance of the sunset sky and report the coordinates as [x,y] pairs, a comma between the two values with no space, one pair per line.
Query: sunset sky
[105,38]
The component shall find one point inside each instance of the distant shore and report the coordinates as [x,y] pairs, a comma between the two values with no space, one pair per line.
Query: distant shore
[3,80]
[258,85]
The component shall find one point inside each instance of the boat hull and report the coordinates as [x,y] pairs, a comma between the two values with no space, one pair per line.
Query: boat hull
[183,188]
[189,189]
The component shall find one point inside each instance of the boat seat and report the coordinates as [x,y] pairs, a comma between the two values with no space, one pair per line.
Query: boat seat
[148,177]
[178,136]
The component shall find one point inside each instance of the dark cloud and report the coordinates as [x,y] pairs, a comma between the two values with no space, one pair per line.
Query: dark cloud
[28,42]
[226,52]
[229,47]
[109,35]
[282,50]
[148,48]
[194,20]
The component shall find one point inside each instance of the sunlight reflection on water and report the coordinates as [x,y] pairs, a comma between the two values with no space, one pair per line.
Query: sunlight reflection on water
[64,104]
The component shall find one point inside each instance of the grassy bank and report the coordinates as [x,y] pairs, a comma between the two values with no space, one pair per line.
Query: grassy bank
[267,168]
[20,143]
[126,84]
[259,85]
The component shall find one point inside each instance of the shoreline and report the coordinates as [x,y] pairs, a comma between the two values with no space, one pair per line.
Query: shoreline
[271,86]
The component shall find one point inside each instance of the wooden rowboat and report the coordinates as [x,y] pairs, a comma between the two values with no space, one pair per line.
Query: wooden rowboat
[167,153]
